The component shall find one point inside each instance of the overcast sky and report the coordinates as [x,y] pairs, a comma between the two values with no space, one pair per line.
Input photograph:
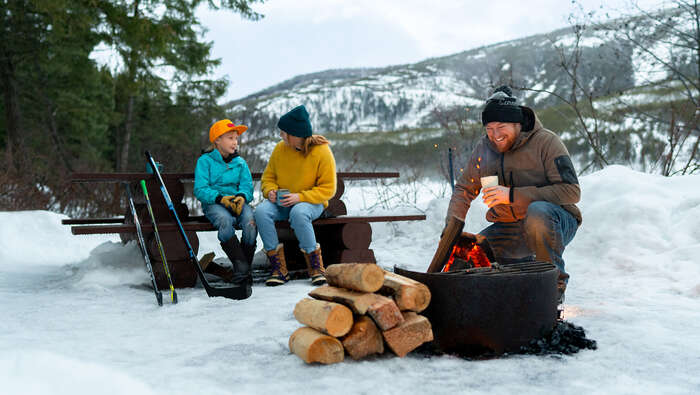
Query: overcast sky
[303,36]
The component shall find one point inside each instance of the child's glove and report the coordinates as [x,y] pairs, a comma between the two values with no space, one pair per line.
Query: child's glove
[233,203]
[227,201]
[238,203]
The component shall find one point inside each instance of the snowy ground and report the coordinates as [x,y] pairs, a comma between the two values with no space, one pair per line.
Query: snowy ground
[78,317]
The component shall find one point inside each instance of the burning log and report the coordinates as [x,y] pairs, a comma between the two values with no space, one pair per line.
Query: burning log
[406,337]
[313,346]
[363,339]
[408,294]
[382,309]
[467,254]
[327,317]
[452,233]
[358,277]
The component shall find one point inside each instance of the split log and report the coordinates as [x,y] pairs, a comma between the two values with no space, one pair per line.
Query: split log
[363,339]
[385,313]
[330,318]
[406,337]
[382,309]
[313,346]
[358,302]
[363,277]
[408,293]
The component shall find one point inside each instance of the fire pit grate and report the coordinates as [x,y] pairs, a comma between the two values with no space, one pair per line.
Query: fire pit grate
[497,269]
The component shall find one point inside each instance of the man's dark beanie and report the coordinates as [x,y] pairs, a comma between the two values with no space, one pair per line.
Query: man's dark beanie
[502,107]
[296,122]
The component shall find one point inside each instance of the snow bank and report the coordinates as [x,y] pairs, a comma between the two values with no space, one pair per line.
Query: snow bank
[37,237]
[68,301]
[38,372]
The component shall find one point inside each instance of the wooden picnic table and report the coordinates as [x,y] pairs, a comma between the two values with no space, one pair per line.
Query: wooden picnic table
[343,238]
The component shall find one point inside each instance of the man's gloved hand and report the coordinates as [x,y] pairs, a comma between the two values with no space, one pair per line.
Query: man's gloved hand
[238,202]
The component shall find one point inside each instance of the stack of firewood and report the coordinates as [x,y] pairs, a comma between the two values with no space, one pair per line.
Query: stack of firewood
[360,310]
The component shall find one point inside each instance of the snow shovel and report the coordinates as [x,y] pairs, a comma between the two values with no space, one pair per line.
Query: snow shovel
[231,292]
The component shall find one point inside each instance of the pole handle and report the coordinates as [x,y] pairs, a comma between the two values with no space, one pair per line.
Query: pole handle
[143,186]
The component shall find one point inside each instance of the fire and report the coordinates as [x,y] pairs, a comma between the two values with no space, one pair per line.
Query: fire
[471,252]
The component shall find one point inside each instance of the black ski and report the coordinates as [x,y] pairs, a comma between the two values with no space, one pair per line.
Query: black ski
[232,292]
[173,294]
[142,244]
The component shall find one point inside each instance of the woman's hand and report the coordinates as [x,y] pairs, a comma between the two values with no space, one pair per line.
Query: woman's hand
[496,195]
[272,196]
[290,199]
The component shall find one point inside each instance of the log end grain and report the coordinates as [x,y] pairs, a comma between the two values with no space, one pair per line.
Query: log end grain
[362,277]
[406,337]
[313,346]
[408,293]
[385,313]
[327,317]
[363,339]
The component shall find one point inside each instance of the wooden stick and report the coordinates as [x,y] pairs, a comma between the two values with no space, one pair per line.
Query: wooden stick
[451,234]
[313,346]
[363,339]
[327,317]
[407,293]
[361,277]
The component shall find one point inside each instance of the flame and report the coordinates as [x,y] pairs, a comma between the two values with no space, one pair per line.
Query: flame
[471,252]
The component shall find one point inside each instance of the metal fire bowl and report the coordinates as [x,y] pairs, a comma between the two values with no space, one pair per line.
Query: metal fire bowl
[496,312]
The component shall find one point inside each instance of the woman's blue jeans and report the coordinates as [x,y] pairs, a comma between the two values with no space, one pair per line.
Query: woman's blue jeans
[227,223]
[544,232]
[300,216]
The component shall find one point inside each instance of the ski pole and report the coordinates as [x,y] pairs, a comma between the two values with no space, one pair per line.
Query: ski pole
[173,294]
[142,244]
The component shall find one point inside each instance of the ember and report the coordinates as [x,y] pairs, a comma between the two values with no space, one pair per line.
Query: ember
[469,254]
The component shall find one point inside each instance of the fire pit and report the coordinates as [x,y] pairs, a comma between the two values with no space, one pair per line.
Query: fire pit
[482,306]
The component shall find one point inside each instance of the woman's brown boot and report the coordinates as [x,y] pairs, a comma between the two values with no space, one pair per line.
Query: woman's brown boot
[314,264]
[279,275]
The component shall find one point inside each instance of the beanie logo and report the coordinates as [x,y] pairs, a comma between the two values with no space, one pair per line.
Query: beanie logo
[230,125]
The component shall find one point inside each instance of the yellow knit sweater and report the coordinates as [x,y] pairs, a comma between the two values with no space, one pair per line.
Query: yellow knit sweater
[311,176]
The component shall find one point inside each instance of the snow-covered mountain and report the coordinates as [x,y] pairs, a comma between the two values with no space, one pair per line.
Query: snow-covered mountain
[399,97]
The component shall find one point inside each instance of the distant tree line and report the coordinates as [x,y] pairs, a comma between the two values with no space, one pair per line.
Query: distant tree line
[63,111]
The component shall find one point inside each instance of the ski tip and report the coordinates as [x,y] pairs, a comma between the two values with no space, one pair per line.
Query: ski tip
[159,297]
[174,297]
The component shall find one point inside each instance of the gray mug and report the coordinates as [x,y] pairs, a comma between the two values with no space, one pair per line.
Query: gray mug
[280,194]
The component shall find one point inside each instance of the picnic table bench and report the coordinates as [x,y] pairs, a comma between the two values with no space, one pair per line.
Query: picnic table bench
[343,238]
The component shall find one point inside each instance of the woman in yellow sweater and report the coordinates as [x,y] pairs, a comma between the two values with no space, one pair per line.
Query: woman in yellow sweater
[297,183]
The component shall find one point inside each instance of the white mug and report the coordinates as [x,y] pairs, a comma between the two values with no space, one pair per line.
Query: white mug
[489,181]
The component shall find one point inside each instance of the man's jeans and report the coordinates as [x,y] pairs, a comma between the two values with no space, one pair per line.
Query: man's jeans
[227,223]
[545,231]
[300,216]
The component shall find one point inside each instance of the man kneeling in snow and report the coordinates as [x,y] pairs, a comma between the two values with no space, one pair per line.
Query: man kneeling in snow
[533,206]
